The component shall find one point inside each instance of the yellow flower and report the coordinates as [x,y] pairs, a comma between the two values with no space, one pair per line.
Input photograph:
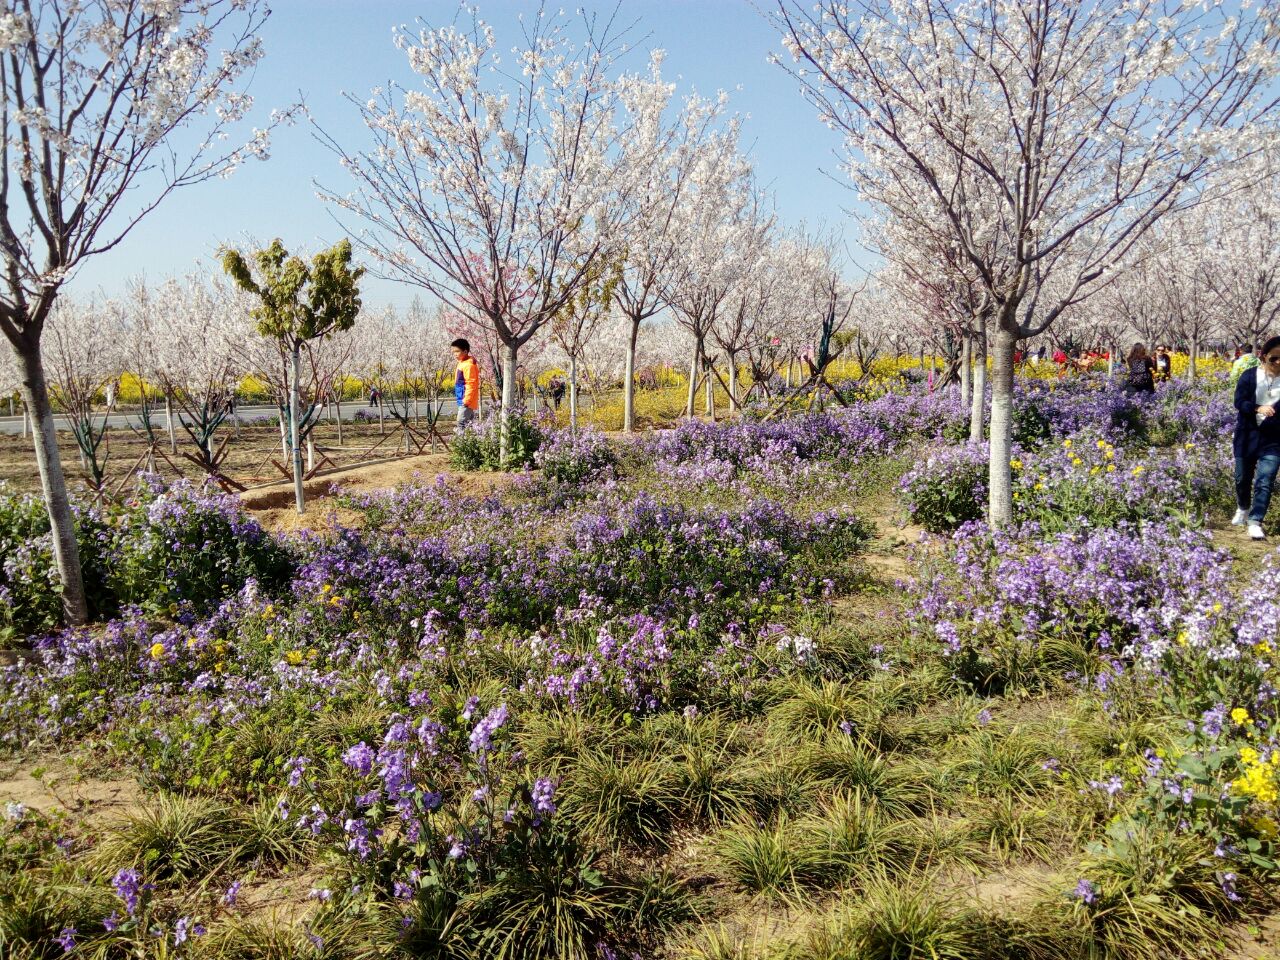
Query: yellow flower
[1102,444]
[268,611]
[1076,461]
[1066,444]
[294,657]
[191,643]
[1111,468]
[217,667]
[157,651]
[1138,470]
[1111,454]
[1015,464]
[327,588]
[1265,827]
[1240,715]
[1217,608]
[1038,486]
[1093,472]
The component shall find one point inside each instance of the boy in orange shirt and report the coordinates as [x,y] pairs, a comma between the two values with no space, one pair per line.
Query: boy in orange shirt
[466,385]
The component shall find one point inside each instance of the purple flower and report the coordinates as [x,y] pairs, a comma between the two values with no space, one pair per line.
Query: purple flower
[185,928]
[296,767]
[128,884]
[360,758]
[543,797]
[1228,881]
[984,717]
[233,891]
[1111,786]
[482,734]
[110,923]
[66,939]
[1085,891]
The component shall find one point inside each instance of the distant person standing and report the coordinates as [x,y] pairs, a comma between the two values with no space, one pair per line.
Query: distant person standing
[1164,363]
[1246,359]
[1256,443]
[1142,371]
[466,383]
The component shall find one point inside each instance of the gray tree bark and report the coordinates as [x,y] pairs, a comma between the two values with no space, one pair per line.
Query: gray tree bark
[66,552]
[629,381]
[979,398]
[1000,477]
[508,409]
[295,369]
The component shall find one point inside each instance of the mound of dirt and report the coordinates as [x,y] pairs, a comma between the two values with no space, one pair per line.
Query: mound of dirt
[273,505]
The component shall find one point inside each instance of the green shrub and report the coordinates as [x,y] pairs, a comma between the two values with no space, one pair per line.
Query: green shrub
[948,489]
[479,447]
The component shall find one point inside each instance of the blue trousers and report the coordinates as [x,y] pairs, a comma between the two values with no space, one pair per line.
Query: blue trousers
[1255,477]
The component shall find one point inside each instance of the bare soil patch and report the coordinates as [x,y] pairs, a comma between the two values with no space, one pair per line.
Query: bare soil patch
[60,788]
[273,505]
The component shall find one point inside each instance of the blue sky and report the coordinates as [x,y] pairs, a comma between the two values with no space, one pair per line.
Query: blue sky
[323,48]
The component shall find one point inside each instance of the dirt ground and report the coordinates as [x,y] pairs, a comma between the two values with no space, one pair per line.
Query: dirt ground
[250,453]
[274,505]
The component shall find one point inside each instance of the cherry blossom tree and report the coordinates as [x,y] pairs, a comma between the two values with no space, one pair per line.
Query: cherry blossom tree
[490,186]
[663,156]
[1243,272]
[718,235]
[84,355]
[1051,135]
[194,326]
[94,94]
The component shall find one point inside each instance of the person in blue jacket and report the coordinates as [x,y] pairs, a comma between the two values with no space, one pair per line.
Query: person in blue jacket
[1257,438]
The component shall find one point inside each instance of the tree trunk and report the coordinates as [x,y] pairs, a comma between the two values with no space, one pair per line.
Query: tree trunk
[1000,477]
[573,394]
[629,381]
[337,403]
[168,415]
[710,389]
[693,380]
[966,369]
[733,386]
[295,370]
[66,553]
[1193,355]
[508,408]
[978,400]
[787,382]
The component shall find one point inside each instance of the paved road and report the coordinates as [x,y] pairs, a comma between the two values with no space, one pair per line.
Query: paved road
[246,414]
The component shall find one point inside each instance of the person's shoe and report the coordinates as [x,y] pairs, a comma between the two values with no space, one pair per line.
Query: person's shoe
[1240,517]
[1255,532]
